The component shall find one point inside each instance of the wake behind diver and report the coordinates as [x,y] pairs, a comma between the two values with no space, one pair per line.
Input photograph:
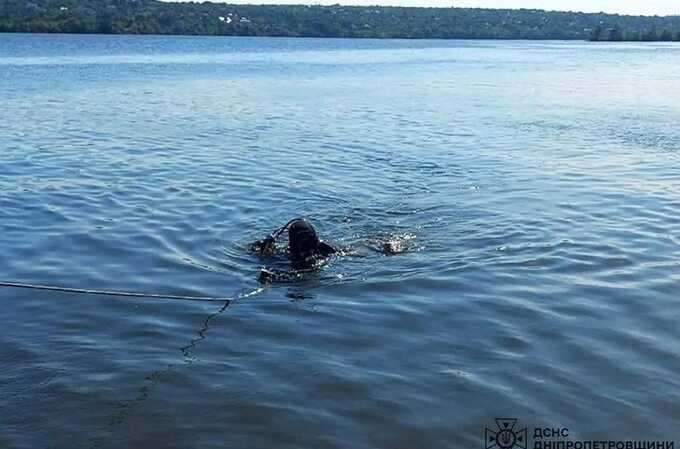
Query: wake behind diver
[305,250]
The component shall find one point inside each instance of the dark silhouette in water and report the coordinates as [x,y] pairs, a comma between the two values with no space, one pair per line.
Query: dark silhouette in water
[304,245]
[305,250]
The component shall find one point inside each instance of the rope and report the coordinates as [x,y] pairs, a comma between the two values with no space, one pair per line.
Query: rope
[130,294]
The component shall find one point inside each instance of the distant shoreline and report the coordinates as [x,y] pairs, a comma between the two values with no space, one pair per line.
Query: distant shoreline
[48,33]
[152,17]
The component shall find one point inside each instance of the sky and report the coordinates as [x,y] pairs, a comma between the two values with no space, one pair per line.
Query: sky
[636,7]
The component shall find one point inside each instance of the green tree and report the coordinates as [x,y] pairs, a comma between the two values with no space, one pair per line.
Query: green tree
[596,33]
[666,36]
[649,36]
[615,34]
[157,17]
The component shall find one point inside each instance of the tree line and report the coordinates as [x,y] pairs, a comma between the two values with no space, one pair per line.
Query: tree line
[618,34]
[155,17]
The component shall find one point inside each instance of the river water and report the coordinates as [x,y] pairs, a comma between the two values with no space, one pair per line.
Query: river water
[538,184]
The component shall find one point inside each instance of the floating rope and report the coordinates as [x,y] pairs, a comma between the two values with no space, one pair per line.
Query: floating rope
[130,294]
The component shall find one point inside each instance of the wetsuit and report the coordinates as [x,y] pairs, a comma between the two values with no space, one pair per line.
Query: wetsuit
[305,248]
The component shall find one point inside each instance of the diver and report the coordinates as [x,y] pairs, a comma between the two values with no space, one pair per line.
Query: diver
[305,250]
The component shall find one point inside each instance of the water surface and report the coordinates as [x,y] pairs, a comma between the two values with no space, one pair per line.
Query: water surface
[539,180]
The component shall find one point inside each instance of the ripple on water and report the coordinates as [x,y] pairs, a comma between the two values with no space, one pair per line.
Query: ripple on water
[538,277]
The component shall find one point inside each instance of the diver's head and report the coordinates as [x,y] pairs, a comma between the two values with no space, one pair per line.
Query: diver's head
[303,241]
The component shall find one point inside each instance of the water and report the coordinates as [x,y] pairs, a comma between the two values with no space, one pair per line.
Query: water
[539,182]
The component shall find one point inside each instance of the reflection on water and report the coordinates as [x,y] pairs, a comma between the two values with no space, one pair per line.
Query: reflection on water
[509,211]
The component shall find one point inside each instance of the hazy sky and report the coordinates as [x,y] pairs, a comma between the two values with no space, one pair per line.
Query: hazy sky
[647,7]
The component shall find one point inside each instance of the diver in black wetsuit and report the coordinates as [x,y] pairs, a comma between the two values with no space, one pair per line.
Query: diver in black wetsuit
[305,249]
[304,245]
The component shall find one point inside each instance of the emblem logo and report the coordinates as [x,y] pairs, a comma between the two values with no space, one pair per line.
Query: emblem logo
[505,437]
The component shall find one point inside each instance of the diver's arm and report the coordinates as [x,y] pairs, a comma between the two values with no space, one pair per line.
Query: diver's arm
[326,249]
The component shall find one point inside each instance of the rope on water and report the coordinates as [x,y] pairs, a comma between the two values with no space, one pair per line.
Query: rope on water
[130,294]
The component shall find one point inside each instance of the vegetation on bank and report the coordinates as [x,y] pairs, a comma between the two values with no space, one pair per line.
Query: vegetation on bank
[617,33]
[155,17]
